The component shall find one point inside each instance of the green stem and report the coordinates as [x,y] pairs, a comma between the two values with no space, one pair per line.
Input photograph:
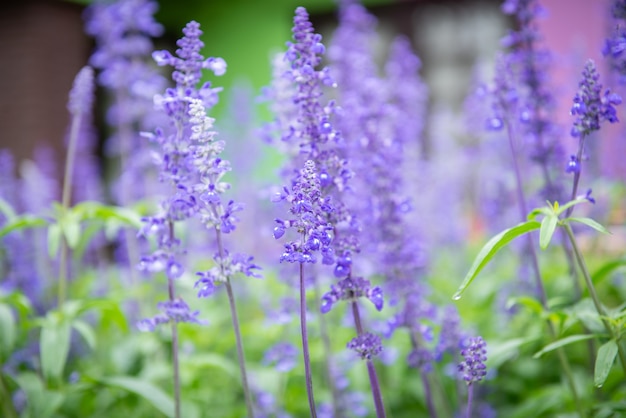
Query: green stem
[235,320]
[175,362]
[7,403]
[330,381]
[592,292]
[521,200]
[65,204]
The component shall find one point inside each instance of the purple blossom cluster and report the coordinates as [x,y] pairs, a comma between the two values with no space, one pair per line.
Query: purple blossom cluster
[311,213]
[366,345]
[615,45]
[592,105]
[472,368]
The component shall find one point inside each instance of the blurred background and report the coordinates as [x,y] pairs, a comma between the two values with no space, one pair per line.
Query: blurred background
[43,46]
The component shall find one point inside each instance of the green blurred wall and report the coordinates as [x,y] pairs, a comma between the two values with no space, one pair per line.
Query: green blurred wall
[245,33]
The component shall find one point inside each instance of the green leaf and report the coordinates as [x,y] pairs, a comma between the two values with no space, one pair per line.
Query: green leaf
[25,221]
[54,240]
[8,331]
[571,203]
[532,304]
[54,345]
[41,403]
[7,210]
[563,342]
[589,222]
[491,248]
[70,224]
[501,352]
[86,331]
[548,226]
[604,362]
[159,399]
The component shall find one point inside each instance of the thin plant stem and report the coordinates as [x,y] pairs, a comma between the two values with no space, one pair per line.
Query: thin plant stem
[416,341]
[65,204]
[470,398]
[7,404]
[521,200]
[175,363]
[371,370]
[328,353]
[305,344]
[594,296]
[125,132]
[239,341]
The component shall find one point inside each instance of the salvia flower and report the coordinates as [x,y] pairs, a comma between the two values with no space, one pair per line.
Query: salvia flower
[592,105]
[175,310]
[283,356]
[225,267]
[82,92]
[351,289]
[366,345]
[615,46]
[472,368]
[310,213]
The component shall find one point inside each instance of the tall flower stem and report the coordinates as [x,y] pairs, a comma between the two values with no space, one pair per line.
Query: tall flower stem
[328,353]
[537,272]
[8,409]
[470,398]
[175,363]
[305,344]
[416,341]
[371,370]
[65,204]
[592,292]
[235,320]
[125,132]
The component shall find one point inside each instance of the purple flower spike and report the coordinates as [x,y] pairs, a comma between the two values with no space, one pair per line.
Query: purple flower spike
[366,345]
[472,368]
[421,358]
[350,289]
[591,106]
[573,166]
[283,356]
[82,93]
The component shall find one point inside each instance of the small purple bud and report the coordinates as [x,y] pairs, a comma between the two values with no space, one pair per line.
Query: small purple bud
[279,231]
[376,297]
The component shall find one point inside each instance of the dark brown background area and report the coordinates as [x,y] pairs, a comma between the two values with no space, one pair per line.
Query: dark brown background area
[42,47]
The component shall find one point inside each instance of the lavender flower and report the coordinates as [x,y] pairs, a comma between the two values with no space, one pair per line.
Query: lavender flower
[311,212]
[351,289]
[472,369]
[615,45]
[591,104]
[175,310]
[282,356]
[366,345]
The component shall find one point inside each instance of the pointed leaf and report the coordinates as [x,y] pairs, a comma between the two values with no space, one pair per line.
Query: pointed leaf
[54,345]
[71,229]
[41,403]
[22,222]
[158,398]
[590,222]
[563,342]
[548,226]
[86,331]
[491,248]
[54,240]
[8,331]
[604,362]
[571,203]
